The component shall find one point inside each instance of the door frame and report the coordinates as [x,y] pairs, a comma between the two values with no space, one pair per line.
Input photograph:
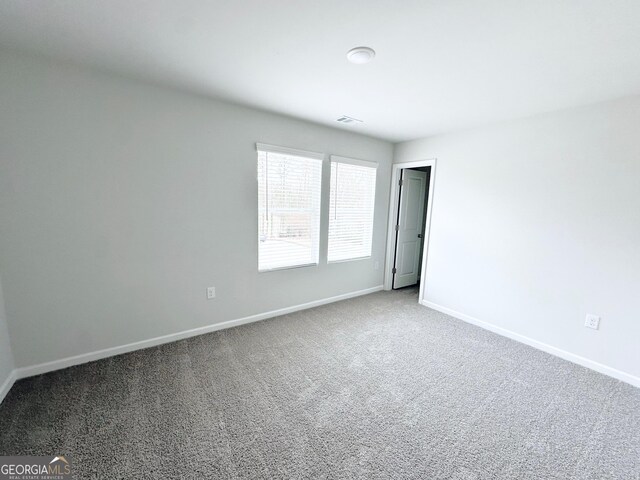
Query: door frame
[393,212]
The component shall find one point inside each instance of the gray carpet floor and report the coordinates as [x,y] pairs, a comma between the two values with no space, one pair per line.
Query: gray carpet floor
[372,387]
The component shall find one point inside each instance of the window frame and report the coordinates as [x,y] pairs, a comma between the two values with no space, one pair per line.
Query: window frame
[360,163]
[305,154]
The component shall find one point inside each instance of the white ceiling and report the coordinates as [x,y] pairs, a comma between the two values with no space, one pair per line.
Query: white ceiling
[440,65]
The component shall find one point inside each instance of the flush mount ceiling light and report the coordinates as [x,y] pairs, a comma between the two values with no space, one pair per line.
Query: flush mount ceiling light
[361,55]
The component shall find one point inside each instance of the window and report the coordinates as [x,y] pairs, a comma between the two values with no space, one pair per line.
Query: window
[288,207]
[353,192]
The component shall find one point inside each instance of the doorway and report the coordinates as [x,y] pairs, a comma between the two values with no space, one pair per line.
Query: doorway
[409,221]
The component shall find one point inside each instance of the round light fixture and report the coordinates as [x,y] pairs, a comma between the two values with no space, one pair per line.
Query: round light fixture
[361,55]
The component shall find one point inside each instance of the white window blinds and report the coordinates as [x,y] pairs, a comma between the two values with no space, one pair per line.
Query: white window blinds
[353,192]
[288,207]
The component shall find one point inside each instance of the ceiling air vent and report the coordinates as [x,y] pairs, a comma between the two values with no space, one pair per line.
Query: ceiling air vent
[345,119]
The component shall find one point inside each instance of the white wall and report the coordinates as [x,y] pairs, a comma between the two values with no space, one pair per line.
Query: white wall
[6,356]
[120,202]
[537,223]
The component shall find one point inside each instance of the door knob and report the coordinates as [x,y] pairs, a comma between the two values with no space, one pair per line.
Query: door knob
[419,235]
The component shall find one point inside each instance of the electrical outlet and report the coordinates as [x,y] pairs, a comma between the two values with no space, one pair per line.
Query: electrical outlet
[592,321]
[376,265]
[211,293]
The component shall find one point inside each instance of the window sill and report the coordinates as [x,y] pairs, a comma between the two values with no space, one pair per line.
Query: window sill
[276,269]
[329,262]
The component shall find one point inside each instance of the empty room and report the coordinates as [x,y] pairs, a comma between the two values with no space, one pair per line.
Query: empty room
[320,240]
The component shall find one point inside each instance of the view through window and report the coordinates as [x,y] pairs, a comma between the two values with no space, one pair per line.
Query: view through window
[289,189]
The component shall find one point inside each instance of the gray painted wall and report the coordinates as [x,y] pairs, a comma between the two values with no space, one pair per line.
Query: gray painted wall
[536,223]
[6,356]
[121,202]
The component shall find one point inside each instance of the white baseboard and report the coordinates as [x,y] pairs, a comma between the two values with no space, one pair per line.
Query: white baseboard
[38,369]
[585,362]
[7,384]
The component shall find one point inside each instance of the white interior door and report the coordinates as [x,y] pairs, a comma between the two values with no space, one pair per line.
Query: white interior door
[409,228]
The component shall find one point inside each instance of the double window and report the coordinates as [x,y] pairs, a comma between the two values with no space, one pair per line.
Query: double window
[289,197]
